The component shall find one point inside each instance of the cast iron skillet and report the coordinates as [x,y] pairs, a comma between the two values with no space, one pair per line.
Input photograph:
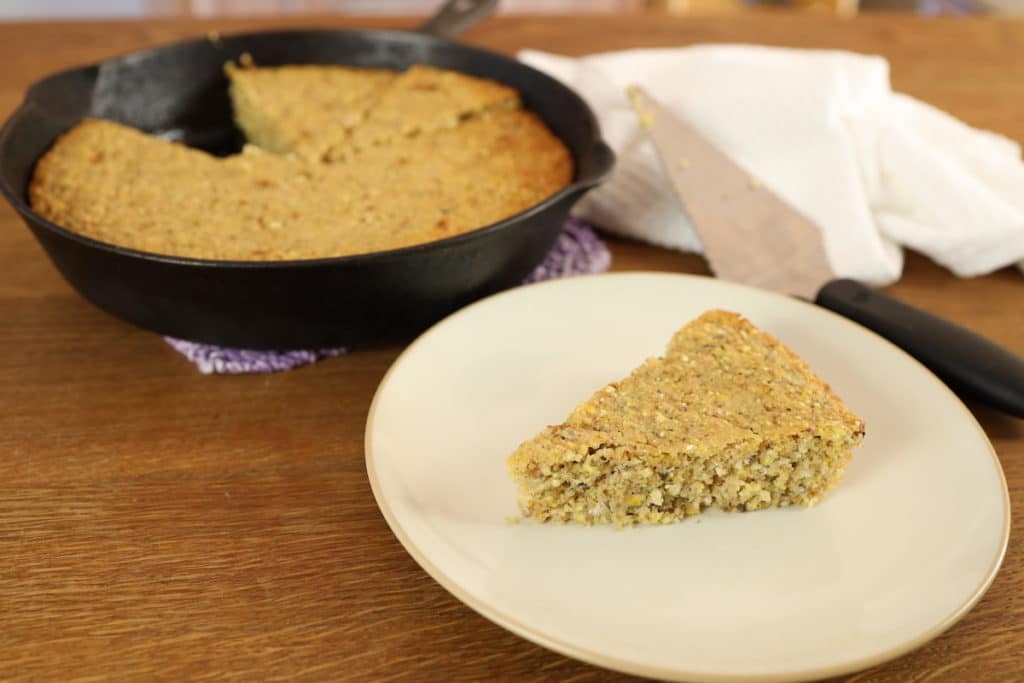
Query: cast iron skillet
[179,91]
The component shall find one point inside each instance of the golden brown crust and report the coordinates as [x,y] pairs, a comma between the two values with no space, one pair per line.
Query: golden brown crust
[728,417]
[773,391]
[332,113]
[441,154]
[423,100]
[117,185]
[302,109]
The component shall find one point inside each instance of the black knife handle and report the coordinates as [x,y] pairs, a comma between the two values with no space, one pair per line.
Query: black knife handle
[967,362]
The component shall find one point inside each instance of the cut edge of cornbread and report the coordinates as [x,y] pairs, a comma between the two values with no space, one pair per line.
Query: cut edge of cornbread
[727,418]
[255,122]
[302,109]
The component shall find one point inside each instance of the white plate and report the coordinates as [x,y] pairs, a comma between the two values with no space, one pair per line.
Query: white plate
[902,549]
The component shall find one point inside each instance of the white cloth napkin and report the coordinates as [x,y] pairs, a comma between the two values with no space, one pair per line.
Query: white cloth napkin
[875,169]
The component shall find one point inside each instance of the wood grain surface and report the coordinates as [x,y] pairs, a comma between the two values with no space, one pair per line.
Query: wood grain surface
[160,524]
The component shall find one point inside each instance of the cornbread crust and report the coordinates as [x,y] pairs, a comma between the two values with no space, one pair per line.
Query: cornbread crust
[728,417]
[420,156]
[332,113]
[118,185]
[423,100]
[302,109]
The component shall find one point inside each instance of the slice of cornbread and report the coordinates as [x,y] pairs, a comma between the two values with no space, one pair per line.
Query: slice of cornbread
[423,100]
[121,186]
[728,417]
[331,113]
[302,109]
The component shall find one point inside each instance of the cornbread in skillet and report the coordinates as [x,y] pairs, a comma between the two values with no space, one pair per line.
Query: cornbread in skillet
[728,417]
[423,100]
[416,157]
[118,185]
[302,108]
[332,113]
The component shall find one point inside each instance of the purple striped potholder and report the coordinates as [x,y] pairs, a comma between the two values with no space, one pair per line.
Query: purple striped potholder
[578,251]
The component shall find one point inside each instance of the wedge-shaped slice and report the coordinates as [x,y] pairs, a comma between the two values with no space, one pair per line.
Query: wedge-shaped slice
[302,109]
[728,417]
[423,100]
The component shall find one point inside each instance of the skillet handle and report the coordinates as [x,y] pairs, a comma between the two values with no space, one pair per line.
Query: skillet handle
[455,16]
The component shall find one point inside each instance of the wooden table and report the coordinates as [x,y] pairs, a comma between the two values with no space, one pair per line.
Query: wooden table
[157,522]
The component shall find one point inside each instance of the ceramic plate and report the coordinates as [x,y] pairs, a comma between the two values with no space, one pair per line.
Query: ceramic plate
[902,549]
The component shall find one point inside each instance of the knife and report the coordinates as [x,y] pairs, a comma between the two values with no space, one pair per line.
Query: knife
[752,236]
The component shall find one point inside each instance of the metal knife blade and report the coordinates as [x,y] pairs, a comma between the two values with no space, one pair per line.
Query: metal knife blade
[749,234]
